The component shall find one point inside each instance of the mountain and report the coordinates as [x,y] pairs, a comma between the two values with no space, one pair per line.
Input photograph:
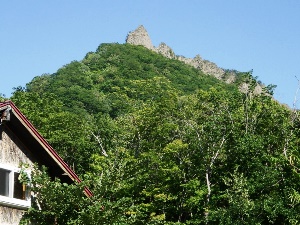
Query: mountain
[162,139]
[117,67]
[112,67]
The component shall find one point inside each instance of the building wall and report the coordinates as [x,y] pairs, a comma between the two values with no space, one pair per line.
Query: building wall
[10,216]
[12,153]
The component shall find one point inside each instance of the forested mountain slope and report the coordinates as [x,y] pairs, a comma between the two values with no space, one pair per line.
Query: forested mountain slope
[159,142]
[116,68]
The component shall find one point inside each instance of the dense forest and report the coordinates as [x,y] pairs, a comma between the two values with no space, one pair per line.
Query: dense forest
[159,142]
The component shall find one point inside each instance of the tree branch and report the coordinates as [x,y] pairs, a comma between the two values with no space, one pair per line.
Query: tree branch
[100,144]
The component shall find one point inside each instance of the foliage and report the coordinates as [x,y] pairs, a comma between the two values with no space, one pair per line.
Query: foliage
[159,142]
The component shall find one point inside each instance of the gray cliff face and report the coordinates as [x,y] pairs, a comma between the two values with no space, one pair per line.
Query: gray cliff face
[207,67]
[165,50]
[141,37]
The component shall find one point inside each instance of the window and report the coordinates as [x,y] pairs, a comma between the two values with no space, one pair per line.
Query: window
[12,191]
[4,185]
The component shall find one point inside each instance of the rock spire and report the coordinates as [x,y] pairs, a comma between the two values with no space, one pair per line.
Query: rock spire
[139,37]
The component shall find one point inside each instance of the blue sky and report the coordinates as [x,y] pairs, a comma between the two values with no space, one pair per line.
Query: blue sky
[39,37]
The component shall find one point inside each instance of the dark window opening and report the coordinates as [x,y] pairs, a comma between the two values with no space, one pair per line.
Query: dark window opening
[4,182]
[19,189]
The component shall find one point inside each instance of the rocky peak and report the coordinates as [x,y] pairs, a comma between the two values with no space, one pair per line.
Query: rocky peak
[139,37]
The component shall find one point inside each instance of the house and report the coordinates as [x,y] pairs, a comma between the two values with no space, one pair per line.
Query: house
[21,143]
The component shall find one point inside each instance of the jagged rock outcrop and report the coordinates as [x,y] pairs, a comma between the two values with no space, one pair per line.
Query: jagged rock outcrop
[244,88]
[230,77]
[165,50]
[141,37]
[205,66]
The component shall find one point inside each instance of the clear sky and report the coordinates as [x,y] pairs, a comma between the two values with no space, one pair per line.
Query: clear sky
[39,37]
